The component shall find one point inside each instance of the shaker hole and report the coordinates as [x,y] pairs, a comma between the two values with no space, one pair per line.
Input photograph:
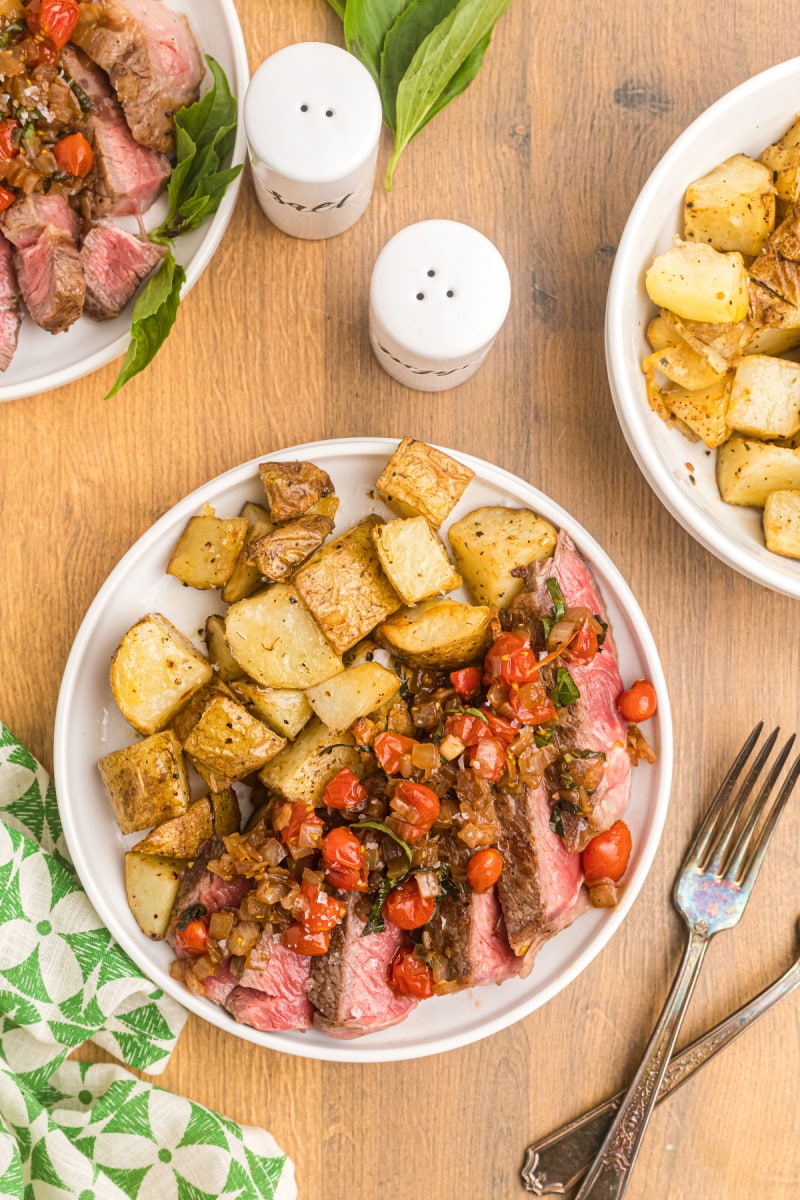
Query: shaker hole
[328,112]
[450,293]
[303,108]
[431,273]
[420,295]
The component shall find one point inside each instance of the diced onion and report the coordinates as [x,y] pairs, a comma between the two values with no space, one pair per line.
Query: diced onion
[428,884]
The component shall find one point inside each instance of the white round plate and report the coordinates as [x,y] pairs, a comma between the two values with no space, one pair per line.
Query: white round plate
[44,361]
[89,725]
[681,472]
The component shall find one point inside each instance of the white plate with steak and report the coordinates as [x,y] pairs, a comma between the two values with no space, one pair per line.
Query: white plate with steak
[84,171]
[532,932]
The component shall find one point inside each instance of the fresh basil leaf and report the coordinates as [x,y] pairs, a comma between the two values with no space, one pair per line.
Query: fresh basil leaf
[366,24]
[375,916]
[601,637]
[557,596]
[436,62]
[154,315]
[385,829]
[415,22]
[557,815]
[193,913]
[447,885]
[565,692]
[543,735]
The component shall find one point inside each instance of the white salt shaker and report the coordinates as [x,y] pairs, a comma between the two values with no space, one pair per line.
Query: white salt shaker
[440,292]
[313,121]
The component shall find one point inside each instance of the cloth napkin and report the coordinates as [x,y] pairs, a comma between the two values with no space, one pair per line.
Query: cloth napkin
[80,1131]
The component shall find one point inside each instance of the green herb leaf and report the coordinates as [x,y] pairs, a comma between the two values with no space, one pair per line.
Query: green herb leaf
[447,885]
[415,22]
[436,63]
[154,315]
[385,829]
[12,32]
[565,692]
[366,24]
[543,734]
[601,637]
[193,913]
[559,605]
[338,7]
[557,815]
[375,922]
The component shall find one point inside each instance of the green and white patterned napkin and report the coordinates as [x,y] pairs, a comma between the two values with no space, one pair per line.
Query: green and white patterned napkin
[76,1131]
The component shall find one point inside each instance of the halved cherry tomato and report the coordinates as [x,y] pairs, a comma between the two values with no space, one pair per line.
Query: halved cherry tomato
[303,830]
[510,659]
[583,647]
[302,942]
[500,727]
[531,704]
[468,728]
[46,53]
[7,198]
[409,975]
[344,790]
[345,861]
[315,910]
[193,937]
[484,869]
[8,149]
[606,856]
[54,19]
[417,806]
[74,155]
[639,702]
[466,681]
[407,907]
[488,758]
[390,750]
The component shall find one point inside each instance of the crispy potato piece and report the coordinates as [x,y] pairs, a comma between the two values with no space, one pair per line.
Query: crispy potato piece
[438,633]
[207,550]
[719,344]
[279,552]
[184,721]
[357,691]
[748,470]
[328,506]
[345,589]
[227,813]
[703,410]
[302,769]
[151,885]
[683,366]
[221,658]
[276,641]
[782,523]
[783,160]
[181,837]
[293,487]
[660,335]
[770,310]
[775,276]
[698,283]
[154,670]
[146,782]
[771,341]
[245,579]
[229,740]
[490,543]
[765,397]
[421,481]
[285,710]
[414,560]
[732,207]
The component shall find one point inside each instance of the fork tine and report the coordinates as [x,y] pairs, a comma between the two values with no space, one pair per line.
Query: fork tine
[760,849]
[702,840]
[734,866]
[724,839]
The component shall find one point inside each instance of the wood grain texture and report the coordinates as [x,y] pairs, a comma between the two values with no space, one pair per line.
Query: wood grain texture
[545,154]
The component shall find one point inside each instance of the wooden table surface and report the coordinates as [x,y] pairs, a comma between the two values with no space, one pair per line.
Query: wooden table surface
[545,154]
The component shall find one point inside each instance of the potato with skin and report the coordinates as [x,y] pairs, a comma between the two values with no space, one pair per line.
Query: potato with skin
[293,487]
[782,523]
[181,837]
[765,397]
[775,342]
[699,283]
[278,553]
[421,481]
[245,579]
[277,642]
[490,543]
[285,710]
[414,560]
[439,633]
[783,161]
[357,691]
[719,344]
[732,207]
[151,885]
[775,277]
[302,769]
[154,671]
[704,410]
[184,721]
[207,550]
[748,470]
[229,740]
[147,782]
[220,656]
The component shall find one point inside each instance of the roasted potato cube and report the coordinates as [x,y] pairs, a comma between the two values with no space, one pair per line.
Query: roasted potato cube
[357,691]
[783,161]
[345,588]
[207,550]
[698,283]
[328,506]
[245,579]
[293,487]
[764,340]
[775,277]
[765,397]
[720,345]
[439,633]
[421,481]
[276,641]
[490,543]
[771,310]
[154,670]
[221,658]
[732,207]
[230,740]
[151,885]
[184,721]
[782,523]
[414,560]
[227,813]
[279,552]
[302,769]
[702,410]
[660,335]
[285,710]
[683,366]
[748,470]
[146,782]
[181,837]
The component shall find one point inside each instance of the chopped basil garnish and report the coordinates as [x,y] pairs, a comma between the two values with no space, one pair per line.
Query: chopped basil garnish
[559,605]
[192,913]
[385,829]
[375,917]
[557,815]
[601,637]
[543,735]
[447,886]
[565,692]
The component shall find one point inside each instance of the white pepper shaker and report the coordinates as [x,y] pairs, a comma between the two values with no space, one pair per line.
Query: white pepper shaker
[440,292]
[313,121]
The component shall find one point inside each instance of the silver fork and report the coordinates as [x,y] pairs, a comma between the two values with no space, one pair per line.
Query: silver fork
[711,892]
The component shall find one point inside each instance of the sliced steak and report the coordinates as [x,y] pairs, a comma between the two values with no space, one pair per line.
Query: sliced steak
[349,985]
[220,985]
[272,992]
[201,886]
[114,264]
[252,1007]
[10,316]
[152,59]
[127,176]
[51,280]
[470,933]
[27,220]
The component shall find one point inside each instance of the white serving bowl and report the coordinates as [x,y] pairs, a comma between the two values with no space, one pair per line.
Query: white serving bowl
[88,725]
[681,472]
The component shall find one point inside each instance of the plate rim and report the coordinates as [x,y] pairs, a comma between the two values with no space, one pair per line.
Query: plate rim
[360,1050]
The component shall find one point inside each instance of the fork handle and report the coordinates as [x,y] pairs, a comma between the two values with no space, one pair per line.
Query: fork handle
[610,1172]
